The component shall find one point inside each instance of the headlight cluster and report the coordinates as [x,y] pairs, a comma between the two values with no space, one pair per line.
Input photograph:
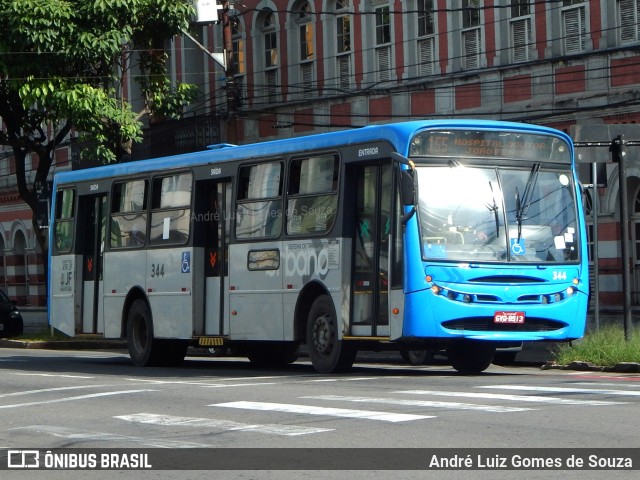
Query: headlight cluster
[490,298]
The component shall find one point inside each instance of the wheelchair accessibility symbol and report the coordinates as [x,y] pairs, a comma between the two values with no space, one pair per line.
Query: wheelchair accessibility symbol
[517,247]
[186,262]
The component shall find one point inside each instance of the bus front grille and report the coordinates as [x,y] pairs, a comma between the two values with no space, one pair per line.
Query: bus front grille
[486,324]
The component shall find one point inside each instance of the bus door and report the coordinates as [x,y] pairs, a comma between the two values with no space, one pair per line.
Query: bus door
[371,248]
[91,239]
[214,217]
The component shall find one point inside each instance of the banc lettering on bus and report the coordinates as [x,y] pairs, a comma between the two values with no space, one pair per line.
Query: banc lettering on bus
[310,259]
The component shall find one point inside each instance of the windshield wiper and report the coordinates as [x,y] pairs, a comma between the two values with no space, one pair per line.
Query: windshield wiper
[522,205]
[494,208]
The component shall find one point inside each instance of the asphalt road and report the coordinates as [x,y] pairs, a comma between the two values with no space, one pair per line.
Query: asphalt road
[97,399]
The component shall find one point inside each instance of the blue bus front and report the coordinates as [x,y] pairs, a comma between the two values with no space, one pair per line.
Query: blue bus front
[497,248]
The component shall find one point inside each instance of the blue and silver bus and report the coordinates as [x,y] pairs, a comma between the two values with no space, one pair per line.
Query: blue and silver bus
[456,235]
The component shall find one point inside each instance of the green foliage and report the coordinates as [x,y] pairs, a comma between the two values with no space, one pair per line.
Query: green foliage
[62,63]
[604,347]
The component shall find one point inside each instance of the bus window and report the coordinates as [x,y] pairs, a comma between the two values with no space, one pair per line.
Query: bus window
[313,199]
[259,211]
[129,214]
[171,212]
[65,203]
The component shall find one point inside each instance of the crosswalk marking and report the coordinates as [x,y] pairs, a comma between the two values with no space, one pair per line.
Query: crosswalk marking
[533,388]
[170,420]
[517,398]
[332,412]
[421,403]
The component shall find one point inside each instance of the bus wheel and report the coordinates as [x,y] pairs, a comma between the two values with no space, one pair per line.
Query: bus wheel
[328,354]
[142,347]
[470,357]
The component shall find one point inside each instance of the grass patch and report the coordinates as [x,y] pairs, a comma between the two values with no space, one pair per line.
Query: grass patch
[605,347]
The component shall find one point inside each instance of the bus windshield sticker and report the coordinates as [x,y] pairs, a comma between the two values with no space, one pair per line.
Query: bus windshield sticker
[166,228]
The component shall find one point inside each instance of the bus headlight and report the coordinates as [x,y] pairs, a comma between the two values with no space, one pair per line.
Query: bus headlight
[570,291]
[435,289]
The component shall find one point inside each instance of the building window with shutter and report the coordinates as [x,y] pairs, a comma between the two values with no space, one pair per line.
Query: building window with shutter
[383,43]
[343,45]
[574,26]
[304,22]
[520,31]
[426,38]
[270,46]
[628,18]
[471,34]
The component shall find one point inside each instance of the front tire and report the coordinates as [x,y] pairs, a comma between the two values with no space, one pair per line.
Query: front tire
[470,356]
[328,353]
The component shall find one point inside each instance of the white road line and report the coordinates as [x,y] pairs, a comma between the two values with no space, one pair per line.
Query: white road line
[58,375]
[169,420]
[331,412]
[421,403]
[348,379]
[563,390]
[517,398]
[44,390]
[70,399]
[603,384]
[87,436]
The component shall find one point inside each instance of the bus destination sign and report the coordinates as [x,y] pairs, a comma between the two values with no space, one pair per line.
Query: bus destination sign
[491,144]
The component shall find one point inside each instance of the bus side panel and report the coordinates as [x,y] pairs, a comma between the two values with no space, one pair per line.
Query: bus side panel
[304,261]
[123,270]
[255,296]
[65,287]
[396,323]
[169,280]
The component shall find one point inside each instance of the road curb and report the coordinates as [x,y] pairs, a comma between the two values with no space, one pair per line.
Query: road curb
[65,344]
[623,367]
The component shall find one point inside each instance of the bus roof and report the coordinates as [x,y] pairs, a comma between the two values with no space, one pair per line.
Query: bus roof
[398,134]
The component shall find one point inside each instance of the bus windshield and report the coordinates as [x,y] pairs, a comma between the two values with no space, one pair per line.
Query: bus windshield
[497,214]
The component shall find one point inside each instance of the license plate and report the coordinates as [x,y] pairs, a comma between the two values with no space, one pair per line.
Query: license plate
[508,317]
[1,326]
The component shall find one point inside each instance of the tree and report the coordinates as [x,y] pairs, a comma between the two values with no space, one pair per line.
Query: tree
[62,63]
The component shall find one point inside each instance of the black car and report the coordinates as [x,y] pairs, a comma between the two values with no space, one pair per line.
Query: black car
[10,319]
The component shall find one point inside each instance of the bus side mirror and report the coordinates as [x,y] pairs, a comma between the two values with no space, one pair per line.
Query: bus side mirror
[407,188]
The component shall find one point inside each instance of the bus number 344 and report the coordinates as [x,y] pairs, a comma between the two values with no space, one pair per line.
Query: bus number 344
[157,270]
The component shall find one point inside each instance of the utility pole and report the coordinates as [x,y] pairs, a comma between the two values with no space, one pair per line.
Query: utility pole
[618,155]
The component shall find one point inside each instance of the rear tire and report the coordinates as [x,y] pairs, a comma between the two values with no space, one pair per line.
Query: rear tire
[471,356]
[328,353]
[143,348]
